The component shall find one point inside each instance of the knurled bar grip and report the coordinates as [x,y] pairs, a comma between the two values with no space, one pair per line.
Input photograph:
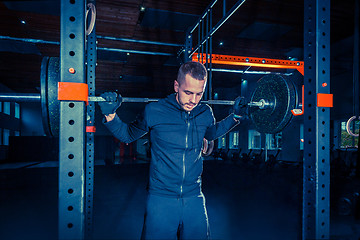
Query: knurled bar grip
[30,97]
[145,100]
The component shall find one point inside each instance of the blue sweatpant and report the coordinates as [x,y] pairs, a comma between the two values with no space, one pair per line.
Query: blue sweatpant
[166,218]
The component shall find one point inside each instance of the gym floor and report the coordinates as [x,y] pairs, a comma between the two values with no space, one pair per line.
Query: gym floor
[243,202]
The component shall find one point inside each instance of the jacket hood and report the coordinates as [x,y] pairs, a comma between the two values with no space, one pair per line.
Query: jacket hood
[171,100]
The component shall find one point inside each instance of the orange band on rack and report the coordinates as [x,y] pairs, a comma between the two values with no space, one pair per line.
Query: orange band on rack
[324,100]
[90,129]
[70,91]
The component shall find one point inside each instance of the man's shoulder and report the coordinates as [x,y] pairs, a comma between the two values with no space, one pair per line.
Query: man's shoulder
[155,107]
[204,107]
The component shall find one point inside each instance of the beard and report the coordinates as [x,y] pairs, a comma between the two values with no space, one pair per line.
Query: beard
[186,106]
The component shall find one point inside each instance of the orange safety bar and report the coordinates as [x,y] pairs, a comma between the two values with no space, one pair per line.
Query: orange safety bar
[251,61]
[298,112]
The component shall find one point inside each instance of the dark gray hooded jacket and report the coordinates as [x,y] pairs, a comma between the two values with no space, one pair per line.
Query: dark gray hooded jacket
[176,138]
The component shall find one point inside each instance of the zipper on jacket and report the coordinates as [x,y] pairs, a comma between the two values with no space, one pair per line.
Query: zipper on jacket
[186,147]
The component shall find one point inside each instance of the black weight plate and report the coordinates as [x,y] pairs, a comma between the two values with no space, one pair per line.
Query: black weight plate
[281,94]
[44,99]
[53,77]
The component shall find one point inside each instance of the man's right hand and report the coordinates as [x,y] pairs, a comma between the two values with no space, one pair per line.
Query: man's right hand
[113,102]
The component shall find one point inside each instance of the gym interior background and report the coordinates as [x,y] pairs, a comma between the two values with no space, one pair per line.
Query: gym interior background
[253,181]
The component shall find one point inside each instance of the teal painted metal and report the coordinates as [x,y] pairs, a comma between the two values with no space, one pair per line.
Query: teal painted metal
[316,166]
[91,59]
[72,123]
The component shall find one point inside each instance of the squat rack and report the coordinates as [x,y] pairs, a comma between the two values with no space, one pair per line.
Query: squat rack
[316,71]
[76,150]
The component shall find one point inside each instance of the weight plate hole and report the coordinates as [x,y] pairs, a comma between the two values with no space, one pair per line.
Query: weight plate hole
[70,190]
[71,156]
[71,139]
[71,122]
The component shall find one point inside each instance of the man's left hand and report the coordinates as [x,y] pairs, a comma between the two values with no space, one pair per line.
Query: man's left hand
[240,108]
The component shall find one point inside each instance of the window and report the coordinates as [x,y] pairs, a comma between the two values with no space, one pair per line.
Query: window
[222,142]
[7,108]
[6,134]
[17,110]
[348,141]
[273,141]
[254,139]
[234,140]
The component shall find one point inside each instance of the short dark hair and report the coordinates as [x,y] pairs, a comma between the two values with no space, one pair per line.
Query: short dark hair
[195,69]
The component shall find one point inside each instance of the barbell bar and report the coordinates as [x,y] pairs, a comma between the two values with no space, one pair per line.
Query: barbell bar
[33,97]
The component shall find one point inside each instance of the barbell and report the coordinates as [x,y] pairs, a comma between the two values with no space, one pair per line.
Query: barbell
[269,107]
[35,97]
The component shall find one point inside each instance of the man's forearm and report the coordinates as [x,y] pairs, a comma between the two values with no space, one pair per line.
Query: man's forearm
[221,128]
[125,132]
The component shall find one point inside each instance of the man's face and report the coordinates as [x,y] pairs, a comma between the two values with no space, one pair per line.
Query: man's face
[189,93]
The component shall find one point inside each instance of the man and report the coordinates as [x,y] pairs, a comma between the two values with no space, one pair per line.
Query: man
[177,126]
